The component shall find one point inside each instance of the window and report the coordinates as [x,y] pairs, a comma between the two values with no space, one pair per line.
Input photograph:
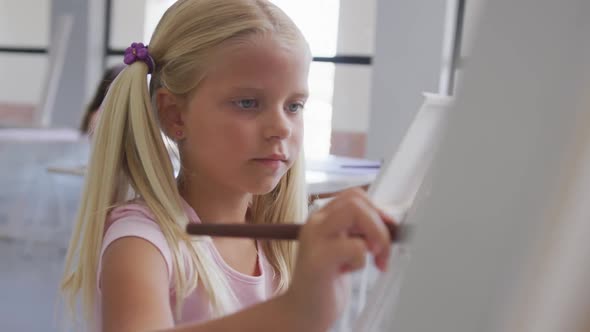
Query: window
[23,58]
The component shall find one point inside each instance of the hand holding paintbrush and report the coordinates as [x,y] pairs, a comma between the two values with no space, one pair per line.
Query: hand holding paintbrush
[333,241]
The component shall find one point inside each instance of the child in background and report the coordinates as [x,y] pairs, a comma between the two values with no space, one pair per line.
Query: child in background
[228,87]
[92,110]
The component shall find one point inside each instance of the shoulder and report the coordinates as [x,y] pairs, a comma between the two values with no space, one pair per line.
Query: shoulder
[130,266]
[133,217]
[135,220]
[135,208]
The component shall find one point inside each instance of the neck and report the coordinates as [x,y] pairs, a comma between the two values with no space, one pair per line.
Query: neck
[213,203]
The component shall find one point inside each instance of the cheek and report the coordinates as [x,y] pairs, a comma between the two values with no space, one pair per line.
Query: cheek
[221,140]
[297,135]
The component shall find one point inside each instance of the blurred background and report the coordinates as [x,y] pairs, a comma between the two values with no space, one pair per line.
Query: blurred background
[373,59]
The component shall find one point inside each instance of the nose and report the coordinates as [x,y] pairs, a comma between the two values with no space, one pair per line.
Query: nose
[277,124]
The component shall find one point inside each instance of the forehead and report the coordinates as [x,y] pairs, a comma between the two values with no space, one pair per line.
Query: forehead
[261,60]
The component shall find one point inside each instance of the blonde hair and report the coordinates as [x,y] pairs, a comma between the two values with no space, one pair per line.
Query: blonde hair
[130,156]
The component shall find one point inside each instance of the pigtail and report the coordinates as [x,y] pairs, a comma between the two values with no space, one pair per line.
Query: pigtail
[105,185]
[151,176]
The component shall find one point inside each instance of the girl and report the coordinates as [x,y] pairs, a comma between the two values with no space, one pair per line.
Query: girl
[228,85]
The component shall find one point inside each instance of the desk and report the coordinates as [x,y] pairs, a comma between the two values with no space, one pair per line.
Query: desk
[332,174]
[40,135]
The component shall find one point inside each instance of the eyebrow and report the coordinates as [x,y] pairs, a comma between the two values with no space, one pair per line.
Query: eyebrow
[304,95]
[260,90]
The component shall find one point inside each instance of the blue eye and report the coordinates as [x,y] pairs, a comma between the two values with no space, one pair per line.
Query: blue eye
[295,107]
[246,103]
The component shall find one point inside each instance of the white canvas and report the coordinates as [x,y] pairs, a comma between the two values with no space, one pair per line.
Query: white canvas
[491,190]
[394,191]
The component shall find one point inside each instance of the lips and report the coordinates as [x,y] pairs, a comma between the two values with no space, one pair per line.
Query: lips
[274,156]
[273,161]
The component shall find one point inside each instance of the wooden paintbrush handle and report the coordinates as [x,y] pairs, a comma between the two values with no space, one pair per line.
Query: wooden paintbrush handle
[271,231]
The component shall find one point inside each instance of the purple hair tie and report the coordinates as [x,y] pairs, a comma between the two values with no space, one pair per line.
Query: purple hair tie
[139,52]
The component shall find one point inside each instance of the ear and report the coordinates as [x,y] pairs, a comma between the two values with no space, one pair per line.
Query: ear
[170,113]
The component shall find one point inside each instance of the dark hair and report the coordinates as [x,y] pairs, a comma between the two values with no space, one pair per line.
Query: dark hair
[107,78]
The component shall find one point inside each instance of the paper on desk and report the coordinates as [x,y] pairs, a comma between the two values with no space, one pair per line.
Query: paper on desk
[343,165]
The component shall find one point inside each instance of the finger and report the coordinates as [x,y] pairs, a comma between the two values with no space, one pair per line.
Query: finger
[339,197]
[362,195]
[319,216]
[351,254]
[382,259]
[342,198]
[382,256]
[337,218]
[386,217]
[357,216]
[330,219]
[340,217]
[378,237]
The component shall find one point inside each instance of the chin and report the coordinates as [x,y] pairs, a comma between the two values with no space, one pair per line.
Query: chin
[263,187]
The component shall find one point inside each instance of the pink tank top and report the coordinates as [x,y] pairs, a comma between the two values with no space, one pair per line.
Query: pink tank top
[136,220]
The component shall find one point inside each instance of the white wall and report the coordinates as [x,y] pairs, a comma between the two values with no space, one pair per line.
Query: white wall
[356,27]
[352,92]
[127,22]
[21,26]
[352,83]
[154,9]
[96,37]
[68,109]
[22,78]
[407,62]
[22,75]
